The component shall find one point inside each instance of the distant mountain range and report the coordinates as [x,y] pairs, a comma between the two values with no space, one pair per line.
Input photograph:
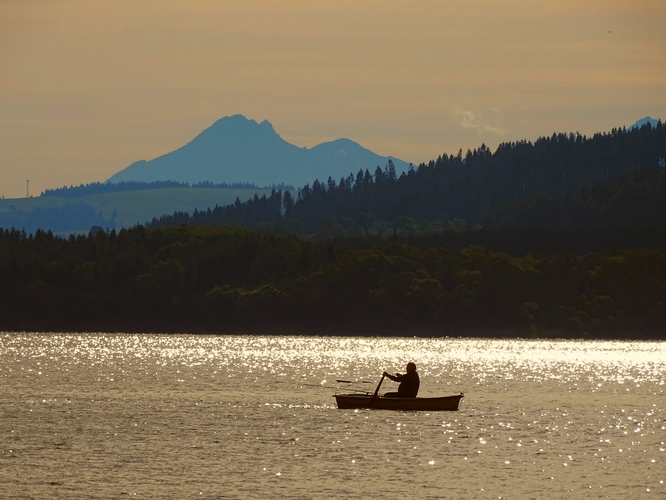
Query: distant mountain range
[643,121]
[235,149]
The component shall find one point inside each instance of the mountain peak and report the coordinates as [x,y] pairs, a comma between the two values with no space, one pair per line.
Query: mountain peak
[643,121]
[238,149]
[237,128]
[236,121]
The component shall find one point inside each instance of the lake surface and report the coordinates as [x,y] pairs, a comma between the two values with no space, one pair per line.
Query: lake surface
[179,416]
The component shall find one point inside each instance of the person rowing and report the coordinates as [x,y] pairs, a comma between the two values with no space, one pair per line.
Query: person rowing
[409,383]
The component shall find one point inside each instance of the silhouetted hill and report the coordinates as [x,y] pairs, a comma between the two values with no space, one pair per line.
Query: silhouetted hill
[235,149]
[566,180]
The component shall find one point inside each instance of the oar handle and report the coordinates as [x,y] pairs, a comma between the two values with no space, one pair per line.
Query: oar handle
[378,386]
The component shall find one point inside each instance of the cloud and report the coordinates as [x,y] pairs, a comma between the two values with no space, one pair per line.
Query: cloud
[473,119]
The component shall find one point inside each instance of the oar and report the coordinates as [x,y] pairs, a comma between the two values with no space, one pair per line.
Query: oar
[378,386]
[353,382]
[374,396]
[335,388]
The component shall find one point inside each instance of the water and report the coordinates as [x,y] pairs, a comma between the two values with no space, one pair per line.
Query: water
[156,416]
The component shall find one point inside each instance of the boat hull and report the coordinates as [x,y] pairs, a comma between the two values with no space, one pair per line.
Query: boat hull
[358,401]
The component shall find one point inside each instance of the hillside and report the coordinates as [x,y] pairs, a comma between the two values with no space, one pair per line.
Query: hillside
[235,149]
[130,207]
[614,178]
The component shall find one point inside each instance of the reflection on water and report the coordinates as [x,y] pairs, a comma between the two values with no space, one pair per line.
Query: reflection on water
[251,417]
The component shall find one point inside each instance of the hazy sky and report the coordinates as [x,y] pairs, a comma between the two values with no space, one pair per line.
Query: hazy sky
[88,87]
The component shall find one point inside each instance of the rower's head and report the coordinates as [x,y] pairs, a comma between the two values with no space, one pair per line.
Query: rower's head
[411,367]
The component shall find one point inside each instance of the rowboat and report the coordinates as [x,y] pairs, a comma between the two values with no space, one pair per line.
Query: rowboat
[375,402]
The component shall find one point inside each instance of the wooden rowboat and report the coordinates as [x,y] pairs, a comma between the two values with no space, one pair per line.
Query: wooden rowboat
[357,401]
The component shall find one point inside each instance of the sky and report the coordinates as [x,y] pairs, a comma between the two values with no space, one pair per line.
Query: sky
[89,87]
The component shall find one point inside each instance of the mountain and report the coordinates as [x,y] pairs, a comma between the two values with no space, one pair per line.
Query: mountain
[235,149]
[640,123]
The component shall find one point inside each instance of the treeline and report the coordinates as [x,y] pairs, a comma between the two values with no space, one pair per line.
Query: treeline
[70,217]
[613,178]
[109,187]
[224,280]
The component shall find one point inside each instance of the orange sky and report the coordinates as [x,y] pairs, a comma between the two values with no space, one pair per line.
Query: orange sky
[88,87]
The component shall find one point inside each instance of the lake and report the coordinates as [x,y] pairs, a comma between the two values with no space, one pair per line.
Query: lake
[183,416]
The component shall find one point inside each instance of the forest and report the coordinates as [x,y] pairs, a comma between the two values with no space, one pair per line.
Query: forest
[234,280]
